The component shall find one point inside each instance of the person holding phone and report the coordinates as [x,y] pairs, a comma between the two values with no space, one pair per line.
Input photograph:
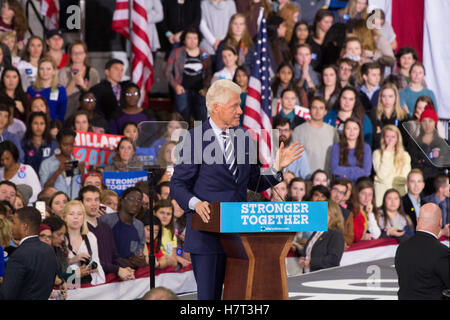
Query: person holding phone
[61,171]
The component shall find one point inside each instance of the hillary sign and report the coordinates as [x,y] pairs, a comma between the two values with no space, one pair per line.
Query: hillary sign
[241,217]
[95,149]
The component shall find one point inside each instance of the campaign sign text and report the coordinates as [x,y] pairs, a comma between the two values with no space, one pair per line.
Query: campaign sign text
[95,149]
[242,217]
[121,181]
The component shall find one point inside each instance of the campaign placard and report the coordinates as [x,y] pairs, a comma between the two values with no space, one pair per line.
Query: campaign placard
[95,149]
[120,181]
[249,217]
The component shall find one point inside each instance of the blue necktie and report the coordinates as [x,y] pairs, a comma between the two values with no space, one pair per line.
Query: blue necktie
[230,159]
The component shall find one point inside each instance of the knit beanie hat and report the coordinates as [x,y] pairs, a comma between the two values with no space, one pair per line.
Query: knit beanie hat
[429,113]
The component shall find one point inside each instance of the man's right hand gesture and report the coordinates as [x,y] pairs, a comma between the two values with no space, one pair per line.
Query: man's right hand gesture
[203,210]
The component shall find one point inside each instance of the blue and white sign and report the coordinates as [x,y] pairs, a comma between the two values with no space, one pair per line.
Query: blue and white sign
[243,217]
[120,181]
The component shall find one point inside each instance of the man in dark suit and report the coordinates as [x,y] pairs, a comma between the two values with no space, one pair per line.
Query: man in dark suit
[422,262]
[108,91]
[195,183]
[412,201]
[31,269]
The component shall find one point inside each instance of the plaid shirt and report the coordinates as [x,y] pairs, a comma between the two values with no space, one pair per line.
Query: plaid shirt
[175,67]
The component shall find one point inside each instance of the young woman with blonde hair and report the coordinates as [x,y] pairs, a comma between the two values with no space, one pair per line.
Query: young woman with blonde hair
[388,111]
[46,85]
[82,245]
[391,163]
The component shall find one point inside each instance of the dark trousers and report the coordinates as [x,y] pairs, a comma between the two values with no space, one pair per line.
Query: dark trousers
[191,103]
[209,273]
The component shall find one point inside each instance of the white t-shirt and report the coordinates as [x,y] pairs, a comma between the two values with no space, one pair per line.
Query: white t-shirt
[28,73]
[25,175]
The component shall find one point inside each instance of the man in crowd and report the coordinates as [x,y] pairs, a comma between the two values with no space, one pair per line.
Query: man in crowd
[31,270]
[109,259]
[422,262]
[412,200]
[370,89]
[441,197]
[337,193]
[317,137]
[299,167]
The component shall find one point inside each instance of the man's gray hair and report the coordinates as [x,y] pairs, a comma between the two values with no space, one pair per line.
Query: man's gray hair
[220,92]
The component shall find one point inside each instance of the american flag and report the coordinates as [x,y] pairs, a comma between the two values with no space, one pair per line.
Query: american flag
[258,113]
[50,10]
[142,59]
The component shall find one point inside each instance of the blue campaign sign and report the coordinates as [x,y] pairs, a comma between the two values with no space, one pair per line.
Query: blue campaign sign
[243,217]
[120,181]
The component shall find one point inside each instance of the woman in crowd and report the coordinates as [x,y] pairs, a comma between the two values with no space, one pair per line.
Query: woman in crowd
[352,50]
[77,76]
[164,211]
[323,21]
[241,77]
[88,104]
[353,11]
[351,158]
[406,57]
[392,219]
[305,76]
[284,79]
[5,241]
[16,172]
[187,79]
[37,144]
[428,142]
[125,158]
[9,39]
[289,109]
[110,199]
[363,206]
[388,111]
[320,177]
[251,8]
[297,189]
[11,90]
[82,245]
[130,130]
[28,66]
[165,159]
[213,24]
[290,13]
[13,18]
[57,203]
[46,85]
[324,249]
[81,122]
[161,261]
[348,105]
[391,163]
[39,104]
[415,89]
[330,86]
[230,60]
[238,38]
[131,112]
[278,47]
[58,230]
[413,125]
[300,36]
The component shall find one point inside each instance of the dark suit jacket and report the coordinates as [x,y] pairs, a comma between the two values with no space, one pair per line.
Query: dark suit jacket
[327,251]
[409,208]
[30,272]
[212,183]
[106,100]
[422,267]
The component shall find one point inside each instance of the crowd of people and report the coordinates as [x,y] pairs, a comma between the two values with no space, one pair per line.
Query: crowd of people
[359,105]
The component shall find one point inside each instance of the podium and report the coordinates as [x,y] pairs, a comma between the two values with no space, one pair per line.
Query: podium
[256,238]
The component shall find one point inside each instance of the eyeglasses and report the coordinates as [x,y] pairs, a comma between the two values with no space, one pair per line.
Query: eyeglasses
[89,100]
[345,69]
[43,236]
[133,199]
[132,94]
[338,191]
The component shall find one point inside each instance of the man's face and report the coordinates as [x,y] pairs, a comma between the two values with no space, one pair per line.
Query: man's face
[93,181]
[115,73]
[7,193]
[165,192]
[318,110]
[56,42]
[285,133]
[338,193]
[345,71]
[132,203]
[4,119]
[229,112]
[373,77]
[66,145]
[91,201]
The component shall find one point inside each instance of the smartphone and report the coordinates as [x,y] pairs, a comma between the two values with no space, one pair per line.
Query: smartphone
[40,205]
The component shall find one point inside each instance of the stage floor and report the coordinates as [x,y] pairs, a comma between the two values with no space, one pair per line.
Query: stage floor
[374,280]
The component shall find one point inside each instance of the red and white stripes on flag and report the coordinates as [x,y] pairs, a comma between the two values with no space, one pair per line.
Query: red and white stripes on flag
[51,12]
[142,58]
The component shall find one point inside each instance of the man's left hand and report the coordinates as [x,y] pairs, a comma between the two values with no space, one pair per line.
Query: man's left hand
[285,156]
